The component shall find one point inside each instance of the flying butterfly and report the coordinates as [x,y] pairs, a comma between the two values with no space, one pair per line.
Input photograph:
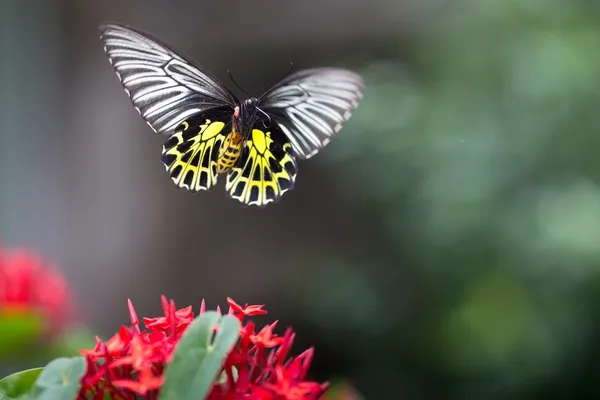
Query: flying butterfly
[256,142]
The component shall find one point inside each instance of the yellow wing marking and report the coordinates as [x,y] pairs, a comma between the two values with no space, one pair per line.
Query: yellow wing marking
[189,155]
[265,172]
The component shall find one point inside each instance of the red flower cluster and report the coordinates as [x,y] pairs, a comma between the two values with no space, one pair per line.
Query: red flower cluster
[29,285]
[132,362]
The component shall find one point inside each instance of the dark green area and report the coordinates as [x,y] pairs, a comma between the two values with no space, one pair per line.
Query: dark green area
[473,166]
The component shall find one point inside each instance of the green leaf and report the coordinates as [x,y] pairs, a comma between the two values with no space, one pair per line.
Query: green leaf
[18,385]
[60,379]
[198,357]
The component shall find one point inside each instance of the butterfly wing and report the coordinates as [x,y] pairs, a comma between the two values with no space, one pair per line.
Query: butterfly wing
[190,154]
[165,87]
[310,106]
[266,169]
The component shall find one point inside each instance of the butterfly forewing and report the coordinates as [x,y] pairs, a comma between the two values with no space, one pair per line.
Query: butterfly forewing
[164,87]
[310,106]
[267,168]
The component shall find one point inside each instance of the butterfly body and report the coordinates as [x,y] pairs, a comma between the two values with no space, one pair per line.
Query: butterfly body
[244,115]
[254,143]
[230,150]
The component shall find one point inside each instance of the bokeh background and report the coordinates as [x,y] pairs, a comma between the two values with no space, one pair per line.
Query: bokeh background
[445,245]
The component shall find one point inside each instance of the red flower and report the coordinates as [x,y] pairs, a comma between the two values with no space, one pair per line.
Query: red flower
[30,285]
[265,338]
[247,310]
[132,362]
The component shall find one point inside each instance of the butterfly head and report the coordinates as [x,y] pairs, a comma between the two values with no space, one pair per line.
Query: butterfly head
[251,102]
[252,111]
[247,110]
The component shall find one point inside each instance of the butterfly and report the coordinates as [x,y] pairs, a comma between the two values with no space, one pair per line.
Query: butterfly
[255,143]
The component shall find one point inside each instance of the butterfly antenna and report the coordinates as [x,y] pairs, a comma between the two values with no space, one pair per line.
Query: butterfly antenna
[290,71]
[280,79]
[266,115]
[235,83]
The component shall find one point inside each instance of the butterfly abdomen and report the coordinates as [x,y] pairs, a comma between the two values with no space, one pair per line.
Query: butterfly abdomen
[229,152]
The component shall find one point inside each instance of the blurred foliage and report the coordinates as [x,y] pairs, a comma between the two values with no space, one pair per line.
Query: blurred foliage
[19,331]
[474,160]
[23,345]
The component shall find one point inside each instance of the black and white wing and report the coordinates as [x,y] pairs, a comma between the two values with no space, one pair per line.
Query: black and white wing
[165,87]
[310,106]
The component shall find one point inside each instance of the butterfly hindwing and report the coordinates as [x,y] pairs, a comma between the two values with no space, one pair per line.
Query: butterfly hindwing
[165,87]
[310,106]
[266,169]
[190,154]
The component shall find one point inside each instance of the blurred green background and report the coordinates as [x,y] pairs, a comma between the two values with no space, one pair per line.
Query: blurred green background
[445,245]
